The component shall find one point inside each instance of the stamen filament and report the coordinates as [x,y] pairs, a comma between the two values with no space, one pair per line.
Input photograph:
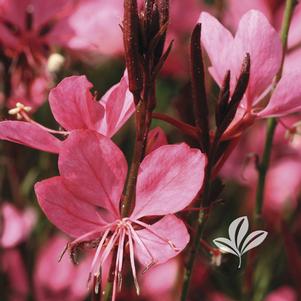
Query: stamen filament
[28,119]
[141,243]
[148,227]
[100,245]
[133,263]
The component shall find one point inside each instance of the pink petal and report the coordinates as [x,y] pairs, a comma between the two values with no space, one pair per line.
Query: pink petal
[237,8]
[65,209]
[47,11]
[217,41]
[169,178]
[257,37]
[286,98]
[30,135]
[15,11]
[95,168]
[170,228]
[73,106]
[119,107]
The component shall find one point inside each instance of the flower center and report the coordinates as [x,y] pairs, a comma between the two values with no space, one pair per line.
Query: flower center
[113,238]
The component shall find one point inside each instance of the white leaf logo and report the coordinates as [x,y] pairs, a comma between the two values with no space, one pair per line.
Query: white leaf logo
[239,242]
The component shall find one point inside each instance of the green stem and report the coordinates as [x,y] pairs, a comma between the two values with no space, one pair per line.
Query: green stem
[272,123]
[263,168]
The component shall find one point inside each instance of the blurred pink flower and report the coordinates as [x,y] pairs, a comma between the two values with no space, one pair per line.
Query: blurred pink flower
[258,38]
[158,283]
[282,191]
[59,281]
[84,201]
[284,293]
[17,225]
[14,229]
[30,30]
[74,107]
[11,263]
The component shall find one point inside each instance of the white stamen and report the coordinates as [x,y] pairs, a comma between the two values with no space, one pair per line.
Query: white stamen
[149,228]
[132,260]
[18,109]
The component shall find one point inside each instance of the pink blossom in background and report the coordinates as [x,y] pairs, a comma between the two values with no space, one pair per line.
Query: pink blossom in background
[59,281]
[15,228]
[92,186]
[284,293]
[74,107]
[12,265]
[159,283]
[94,27]
[31,93]
[30,30]
[283,177]
[258,38]
[17,225]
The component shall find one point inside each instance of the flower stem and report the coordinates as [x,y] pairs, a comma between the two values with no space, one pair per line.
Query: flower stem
[143,121]
[272,122]
[201,221]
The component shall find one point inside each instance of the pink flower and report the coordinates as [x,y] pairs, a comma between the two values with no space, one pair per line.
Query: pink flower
[59,281]
[30,30]
[160,281]
[17,225]
[74,107]
[11,263]
[284,293]
[15,228]
[84,201]
[258,38]
[94,26]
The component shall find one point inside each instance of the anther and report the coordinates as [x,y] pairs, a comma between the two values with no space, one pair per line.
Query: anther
[19,109]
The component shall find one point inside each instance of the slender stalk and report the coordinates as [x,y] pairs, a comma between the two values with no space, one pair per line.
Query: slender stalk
[272,122]
[201,221]
[263,168]
[143,120]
